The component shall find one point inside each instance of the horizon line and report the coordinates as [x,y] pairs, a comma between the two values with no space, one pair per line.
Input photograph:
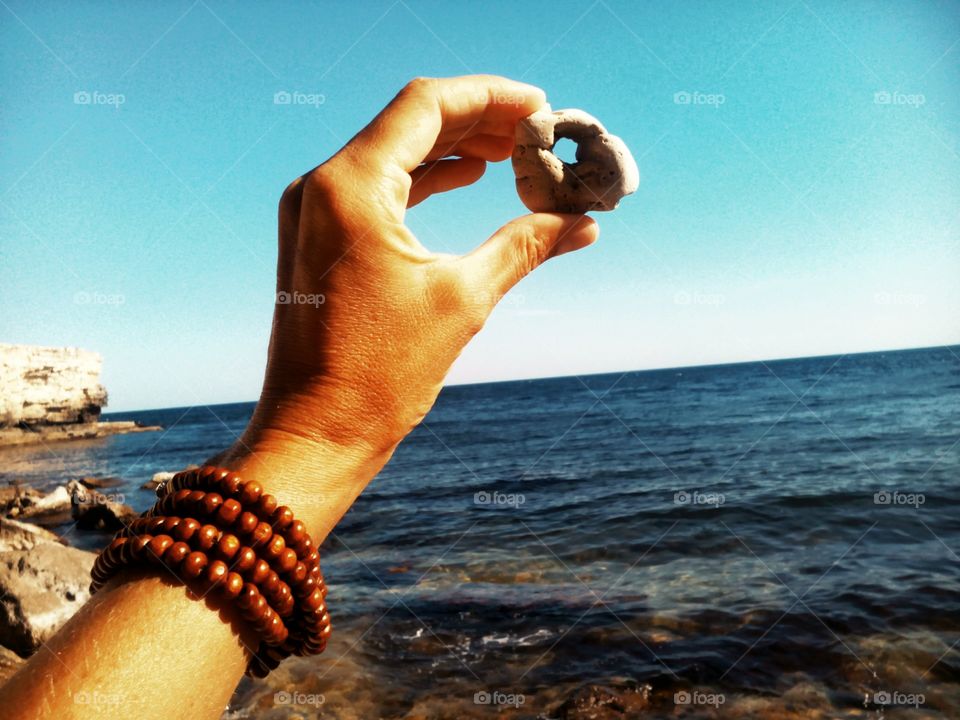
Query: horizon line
[943,346]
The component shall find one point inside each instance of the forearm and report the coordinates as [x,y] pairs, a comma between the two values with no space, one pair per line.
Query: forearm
[106,661]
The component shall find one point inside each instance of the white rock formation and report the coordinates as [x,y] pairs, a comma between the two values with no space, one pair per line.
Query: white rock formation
[49,386]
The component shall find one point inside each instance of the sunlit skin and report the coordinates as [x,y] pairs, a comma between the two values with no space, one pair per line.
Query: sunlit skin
[347,378]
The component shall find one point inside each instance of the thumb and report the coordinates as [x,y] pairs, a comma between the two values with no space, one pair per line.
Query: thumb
[521,245]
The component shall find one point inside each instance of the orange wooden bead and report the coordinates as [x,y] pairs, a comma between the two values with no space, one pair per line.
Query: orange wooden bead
[194,564]
[260,572]
[216,573]
[228,546]
[266,505]
[281,518]
[228,512]
[211,502]
[261,535]
[246,523]
[207,536]
[250,493]
[231,586]
[287,562]
[246,560]
[159,544]
[176,553]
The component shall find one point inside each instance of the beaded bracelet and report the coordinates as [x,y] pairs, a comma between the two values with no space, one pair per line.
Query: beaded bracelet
[227,539]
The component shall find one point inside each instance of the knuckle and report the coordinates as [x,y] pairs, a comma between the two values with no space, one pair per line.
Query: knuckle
[419,87]
[319,181]
[291,195]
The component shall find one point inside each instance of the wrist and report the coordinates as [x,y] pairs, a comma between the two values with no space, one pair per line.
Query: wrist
[318,479]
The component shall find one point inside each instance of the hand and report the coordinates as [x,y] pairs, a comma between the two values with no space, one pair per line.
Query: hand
[374,320]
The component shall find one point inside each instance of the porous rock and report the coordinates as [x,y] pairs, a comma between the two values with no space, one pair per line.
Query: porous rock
[604,171]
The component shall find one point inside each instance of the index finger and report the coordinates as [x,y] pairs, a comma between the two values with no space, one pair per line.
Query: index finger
[406,130]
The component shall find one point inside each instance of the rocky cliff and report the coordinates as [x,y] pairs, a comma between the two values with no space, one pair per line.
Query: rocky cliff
[49,386]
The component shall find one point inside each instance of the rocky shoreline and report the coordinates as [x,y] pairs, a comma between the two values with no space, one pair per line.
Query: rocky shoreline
[18,436]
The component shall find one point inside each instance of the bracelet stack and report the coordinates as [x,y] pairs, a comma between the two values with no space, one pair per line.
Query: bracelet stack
[228,540]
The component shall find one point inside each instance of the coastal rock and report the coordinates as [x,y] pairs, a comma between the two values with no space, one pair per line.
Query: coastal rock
[49,386]
[93,510]
[40,589]
[52,394]
[15,535]
[56,501]
[16,496]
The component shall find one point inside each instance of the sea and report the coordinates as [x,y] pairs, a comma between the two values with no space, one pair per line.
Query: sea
[769,539]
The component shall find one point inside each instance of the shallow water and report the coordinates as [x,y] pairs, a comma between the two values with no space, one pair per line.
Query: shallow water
[713,531]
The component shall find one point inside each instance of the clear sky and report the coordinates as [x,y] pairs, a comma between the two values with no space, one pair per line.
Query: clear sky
[800,189]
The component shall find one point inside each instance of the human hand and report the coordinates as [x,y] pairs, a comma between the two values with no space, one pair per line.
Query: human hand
[374,319]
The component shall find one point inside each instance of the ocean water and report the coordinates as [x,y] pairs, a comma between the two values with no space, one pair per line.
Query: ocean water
[775,539]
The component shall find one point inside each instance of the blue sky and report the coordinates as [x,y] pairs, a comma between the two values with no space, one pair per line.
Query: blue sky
[799,160]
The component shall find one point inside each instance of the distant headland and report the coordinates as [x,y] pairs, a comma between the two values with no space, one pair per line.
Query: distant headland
[52,394]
